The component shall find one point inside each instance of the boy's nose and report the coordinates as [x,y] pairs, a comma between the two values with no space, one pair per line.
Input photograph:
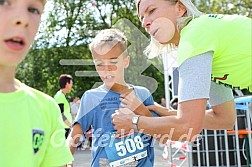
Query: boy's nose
[21,18]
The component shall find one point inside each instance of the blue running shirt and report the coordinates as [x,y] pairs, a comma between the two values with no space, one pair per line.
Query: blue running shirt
[97,106]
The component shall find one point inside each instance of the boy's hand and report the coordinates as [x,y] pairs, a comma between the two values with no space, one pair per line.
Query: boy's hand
[74,137]
[129,100]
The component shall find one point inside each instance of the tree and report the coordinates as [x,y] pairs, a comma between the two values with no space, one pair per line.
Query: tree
[241,7]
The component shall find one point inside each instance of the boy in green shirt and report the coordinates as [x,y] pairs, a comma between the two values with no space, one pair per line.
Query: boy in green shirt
[31,124]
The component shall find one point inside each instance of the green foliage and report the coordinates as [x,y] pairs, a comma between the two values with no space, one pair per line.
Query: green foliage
[241,7]
[42,67]
[62,43]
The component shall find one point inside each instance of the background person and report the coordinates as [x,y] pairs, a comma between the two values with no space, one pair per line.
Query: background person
[163,102]
[74,106]
[65,83]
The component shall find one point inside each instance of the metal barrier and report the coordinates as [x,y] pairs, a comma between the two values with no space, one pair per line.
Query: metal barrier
[227,148]
[176,153]
[218,148]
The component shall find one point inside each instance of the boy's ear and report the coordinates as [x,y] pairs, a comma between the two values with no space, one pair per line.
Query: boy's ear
[126,61]
[181,9]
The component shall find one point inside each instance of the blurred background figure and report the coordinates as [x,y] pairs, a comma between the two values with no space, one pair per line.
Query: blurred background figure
[74,106]
[163,102]
[65,83]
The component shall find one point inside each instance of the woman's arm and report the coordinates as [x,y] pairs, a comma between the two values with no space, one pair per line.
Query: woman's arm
[183,126]
[194,88]
[222,113]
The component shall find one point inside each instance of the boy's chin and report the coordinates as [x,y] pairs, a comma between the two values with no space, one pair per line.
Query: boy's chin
[112,84]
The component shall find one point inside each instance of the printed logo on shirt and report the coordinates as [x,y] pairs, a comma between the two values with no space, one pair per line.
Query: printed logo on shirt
[37,139]
[217,16]
[222,78]
[222,81]
[111,102]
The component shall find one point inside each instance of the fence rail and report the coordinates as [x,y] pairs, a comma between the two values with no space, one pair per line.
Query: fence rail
[221,148]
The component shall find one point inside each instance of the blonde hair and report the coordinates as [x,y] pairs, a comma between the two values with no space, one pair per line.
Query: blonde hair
[108,39]
[44,1]
[155,48]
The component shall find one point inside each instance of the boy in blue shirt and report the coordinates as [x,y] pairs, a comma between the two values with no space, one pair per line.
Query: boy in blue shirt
[109,52]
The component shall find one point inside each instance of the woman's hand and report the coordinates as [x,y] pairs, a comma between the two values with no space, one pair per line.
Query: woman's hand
[122,120]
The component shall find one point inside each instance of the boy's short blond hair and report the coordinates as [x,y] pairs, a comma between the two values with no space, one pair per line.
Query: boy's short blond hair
[106,39]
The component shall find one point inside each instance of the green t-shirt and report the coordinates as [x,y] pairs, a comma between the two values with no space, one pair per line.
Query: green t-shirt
[32,133]
[60,98]
[229,37]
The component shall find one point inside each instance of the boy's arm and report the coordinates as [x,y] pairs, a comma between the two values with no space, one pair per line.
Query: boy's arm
[74,137]
[68,123]
[161,111]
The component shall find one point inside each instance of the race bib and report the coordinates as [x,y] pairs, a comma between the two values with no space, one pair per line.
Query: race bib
[121,151]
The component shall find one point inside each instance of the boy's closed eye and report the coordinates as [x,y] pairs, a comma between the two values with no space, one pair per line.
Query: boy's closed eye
[113,62]
[101,63]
